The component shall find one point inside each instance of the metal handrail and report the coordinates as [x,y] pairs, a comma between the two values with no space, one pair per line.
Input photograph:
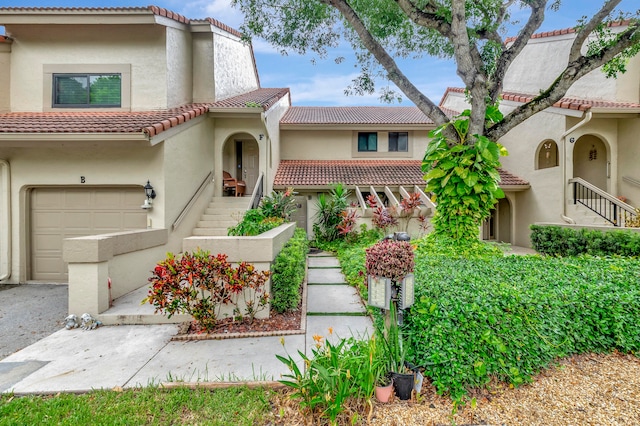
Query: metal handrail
[207,180]
[258,192]
[601,203]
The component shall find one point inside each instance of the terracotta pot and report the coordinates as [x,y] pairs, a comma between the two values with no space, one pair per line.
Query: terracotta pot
[383,393]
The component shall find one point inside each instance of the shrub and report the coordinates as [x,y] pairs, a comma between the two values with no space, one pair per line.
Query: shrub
[288,273]
[199,284]
[279,204]
[329,213]
[390,259]
[254,222]
[564,241]
[509,317]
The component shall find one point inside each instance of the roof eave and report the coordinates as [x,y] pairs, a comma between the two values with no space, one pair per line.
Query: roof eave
[515,188]
[64,136]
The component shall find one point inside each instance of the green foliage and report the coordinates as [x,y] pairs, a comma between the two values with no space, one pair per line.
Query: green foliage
[335,373]
[288,273]
[329,213]
[281,204]
[141,406]
[463,177]
[480,314]
[508,317]
[564,241]
[200,284]
[254,222]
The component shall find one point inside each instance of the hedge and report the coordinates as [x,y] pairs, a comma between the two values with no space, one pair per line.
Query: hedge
[563,241]
[288,273]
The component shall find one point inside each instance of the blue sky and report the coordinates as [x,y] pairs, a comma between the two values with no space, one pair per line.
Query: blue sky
[323,82]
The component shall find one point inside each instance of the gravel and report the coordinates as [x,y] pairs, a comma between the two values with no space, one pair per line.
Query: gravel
[591,389]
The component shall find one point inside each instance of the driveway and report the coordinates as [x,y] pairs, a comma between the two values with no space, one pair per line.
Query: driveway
[29,313]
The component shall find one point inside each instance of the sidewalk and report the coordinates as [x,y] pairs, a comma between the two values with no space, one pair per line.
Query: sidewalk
[142,355]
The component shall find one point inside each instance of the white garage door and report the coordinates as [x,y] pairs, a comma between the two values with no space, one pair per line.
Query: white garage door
[59,213]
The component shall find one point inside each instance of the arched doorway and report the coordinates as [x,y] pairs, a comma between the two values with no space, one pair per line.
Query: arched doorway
[498,226]
[241,156]
[590,161]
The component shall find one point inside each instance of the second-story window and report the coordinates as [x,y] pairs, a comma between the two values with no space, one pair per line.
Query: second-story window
[87,90]
[398,141]
[367,141]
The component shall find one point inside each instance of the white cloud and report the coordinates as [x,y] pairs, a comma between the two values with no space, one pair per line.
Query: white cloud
[217,9]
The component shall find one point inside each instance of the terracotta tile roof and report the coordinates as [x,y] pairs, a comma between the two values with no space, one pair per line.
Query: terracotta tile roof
[355,115]
[563,31]
[322,173]
[565,103]
[265,98]
[149,122]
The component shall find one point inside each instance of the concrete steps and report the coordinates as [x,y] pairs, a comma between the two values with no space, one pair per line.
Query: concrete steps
[220,214]
[583,216]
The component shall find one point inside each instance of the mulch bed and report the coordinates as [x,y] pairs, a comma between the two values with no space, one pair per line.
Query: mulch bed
[276,324]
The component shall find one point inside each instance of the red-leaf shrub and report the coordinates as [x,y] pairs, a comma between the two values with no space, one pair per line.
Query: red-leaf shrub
[199,284]
[390,259]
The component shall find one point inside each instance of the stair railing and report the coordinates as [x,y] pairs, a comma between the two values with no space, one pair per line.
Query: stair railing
[258,192]
[207,180]
[600,202]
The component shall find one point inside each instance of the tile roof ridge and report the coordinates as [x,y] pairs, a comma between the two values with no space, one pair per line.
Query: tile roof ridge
[184,113]
[570,30]
[156,10]
[223,27]
[161,11]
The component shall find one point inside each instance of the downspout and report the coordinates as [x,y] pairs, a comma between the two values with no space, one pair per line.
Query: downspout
[267,144]
[563,138]
[5,225]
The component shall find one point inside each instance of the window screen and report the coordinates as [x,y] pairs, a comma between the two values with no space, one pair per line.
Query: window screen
[398,141]
[86,90]
[367,142]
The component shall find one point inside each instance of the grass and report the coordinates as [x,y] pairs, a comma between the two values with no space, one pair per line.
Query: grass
[143,406]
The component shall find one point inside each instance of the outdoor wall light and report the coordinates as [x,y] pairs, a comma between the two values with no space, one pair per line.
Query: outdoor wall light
[150,194]
[406,296]
[379,290]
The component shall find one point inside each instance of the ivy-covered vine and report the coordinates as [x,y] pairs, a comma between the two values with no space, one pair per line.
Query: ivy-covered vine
[463,176]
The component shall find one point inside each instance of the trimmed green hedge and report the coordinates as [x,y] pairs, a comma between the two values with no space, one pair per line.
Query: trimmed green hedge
[563,241]
[288,273]
[480,314]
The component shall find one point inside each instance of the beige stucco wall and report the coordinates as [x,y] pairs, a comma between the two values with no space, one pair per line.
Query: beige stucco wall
[273,145]
[629,160]
[179,63]
[143,46]
[235,71]
[314,144]
[5,76]
[203,81]
[187,159]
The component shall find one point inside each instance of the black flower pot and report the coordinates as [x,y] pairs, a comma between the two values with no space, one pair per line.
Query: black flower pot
[402,385]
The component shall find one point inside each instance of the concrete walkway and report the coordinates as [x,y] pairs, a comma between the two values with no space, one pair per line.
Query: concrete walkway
[141,355]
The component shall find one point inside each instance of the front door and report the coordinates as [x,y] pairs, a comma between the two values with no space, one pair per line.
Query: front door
[250,164]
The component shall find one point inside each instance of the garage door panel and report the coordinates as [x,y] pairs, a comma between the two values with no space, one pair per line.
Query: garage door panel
[77,199]
[47,220]
[59,213]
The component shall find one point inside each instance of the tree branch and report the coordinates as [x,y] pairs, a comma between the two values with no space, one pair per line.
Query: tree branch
[587,29]
[425,17]
[572,73]
[508,55]
[394,73]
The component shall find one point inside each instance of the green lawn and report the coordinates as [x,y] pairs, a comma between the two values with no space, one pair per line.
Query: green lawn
[147,406]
